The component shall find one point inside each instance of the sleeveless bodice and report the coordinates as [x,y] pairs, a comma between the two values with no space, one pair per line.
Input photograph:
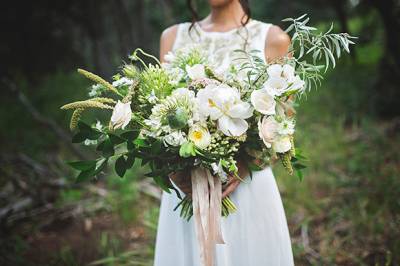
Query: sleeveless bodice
[220,46]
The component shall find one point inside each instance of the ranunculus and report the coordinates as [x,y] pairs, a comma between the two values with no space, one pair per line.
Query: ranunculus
[200,136]
[196,71]
[263,102]
[282,144]
[223,103]
[122,115]
[268,130]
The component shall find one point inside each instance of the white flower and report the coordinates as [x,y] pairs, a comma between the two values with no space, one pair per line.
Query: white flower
[169,57]
[275,70]
[122,115]
[200,136]
[152,97]
[286,71]
[183,92]
[276,86]
[296,83]
[175,138]
[122,82]
[286,127]
[95,90]
[223,103]
[282,144]
[268,130]
[196,71]
[263,102]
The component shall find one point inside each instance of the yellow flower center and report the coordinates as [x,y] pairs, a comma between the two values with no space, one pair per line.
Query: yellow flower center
[211,103]
[197,135]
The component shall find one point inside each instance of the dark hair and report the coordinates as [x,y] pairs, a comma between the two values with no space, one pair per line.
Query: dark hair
[244,3]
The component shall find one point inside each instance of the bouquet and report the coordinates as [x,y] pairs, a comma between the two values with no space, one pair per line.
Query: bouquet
[184,116]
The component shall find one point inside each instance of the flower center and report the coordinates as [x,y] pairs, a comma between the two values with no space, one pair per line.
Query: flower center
[197,135]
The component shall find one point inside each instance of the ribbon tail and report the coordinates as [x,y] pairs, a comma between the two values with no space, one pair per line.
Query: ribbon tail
[206,191]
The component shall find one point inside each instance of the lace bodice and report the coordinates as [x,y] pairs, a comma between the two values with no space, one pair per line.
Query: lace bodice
[220,46]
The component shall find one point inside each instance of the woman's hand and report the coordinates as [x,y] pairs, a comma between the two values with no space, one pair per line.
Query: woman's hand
[183,181]
[233,181]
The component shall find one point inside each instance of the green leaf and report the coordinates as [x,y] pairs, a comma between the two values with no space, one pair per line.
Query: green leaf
[162,183]
[93,171]
[120,166]
[299,166]
[85,175]
[115,139]
[130,135]
[88,132]
[78,138]
[106,147]
[300,175]
[82,165]
[156,147]
[130,160]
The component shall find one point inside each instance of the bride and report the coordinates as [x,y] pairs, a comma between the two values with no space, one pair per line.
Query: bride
[257,234]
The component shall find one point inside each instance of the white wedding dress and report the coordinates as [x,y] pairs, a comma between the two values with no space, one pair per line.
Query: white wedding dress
[257,234]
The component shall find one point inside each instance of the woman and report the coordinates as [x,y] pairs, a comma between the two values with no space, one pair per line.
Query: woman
[257,234]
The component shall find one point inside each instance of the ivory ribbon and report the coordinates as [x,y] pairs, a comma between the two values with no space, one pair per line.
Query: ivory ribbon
[207,192]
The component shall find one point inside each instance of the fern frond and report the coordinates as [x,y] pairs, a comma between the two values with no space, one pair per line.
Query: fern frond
[98,79]
[86,104]
[76,115]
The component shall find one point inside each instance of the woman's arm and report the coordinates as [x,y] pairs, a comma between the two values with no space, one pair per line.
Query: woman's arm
[167,40]
[277,44]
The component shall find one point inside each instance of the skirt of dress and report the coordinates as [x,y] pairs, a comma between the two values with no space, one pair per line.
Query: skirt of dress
[256,235]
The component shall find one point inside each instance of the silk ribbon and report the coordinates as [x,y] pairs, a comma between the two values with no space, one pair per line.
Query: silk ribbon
[207,192]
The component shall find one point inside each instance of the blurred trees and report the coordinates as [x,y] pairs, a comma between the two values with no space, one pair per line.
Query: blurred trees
[45,35]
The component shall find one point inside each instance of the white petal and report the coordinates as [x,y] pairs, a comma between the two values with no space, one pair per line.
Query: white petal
[232,126]
[263,102]
[282,144]
[241,110]
[288,71]
[274,70]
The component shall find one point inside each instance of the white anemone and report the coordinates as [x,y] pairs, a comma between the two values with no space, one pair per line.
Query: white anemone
[223,103]
[263,102]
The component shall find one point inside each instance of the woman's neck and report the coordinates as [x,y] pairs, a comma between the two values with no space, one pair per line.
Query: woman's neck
[224,18]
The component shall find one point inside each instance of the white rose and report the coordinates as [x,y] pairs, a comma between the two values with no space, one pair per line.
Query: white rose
[122,115]
[196,71]
[200,136]
[263,102]
[268,130]
[282,144]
